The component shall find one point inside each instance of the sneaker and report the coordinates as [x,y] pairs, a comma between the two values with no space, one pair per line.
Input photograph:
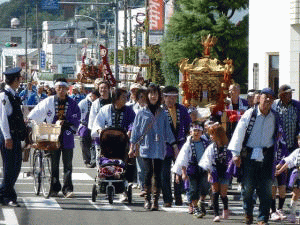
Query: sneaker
[197,213]
[225,214]
[53,194]
[69,194]
[275,216]
[191,209]
[291,218]
[217,219]
[123,198]
[13,204]
[167,205]
[281,214]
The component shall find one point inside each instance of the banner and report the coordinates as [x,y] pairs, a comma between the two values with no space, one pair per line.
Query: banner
[156,14]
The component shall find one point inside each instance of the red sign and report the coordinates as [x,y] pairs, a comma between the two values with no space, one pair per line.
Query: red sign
[156,15]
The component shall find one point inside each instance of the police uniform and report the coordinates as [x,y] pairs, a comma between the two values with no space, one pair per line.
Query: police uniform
[12,127]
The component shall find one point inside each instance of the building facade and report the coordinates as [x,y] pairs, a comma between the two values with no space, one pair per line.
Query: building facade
[274,44]
[60,44]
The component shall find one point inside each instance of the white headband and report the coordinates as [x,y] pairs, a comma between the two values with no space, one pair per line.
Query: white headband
[196,127]
[61,83]
[170,94]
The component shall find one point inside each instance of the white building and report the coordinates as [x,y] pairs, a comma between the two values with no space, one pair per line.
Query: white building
[60,45]
[16,35]
[12,57]
[274,44]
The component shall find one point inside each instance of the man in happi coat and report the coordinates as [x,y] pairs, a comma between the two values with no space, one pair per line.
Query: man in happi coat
[180,121]
[254,145]
[63,110]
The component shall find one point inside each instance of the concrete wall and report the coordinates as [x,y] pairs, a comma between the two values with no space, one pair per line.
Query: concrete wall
[269,33]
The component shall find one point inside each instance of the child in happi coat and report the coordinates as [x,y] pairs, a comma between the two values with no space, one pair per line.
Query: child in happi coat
[186,165]
[291,161]
[215,161]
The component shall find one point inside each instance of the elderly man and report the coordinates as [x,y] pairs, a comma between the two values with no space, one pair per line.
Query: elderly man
[250,98]
[104,99]
[35,97]
[289,112]
[26,93]
[235,103]
[63,110]
[257,156]
[180,121]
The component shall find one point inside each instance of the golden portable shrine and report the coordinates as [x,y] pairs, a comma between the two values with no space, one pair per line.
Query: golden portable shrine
[206,80]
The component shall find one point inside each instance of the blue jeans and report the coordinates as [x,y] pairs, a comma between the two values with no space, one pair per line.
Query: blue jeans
[166,180]
[259,177]
[12,161]
[140,172]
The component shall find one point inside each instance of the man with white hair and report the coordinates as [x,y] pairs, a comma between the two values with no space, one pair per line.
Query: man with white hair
[63,110]
[76,93]
[35,97]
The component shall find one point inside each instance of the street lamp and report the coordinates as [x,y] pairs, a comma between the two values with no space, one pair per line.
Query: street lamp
[98,30]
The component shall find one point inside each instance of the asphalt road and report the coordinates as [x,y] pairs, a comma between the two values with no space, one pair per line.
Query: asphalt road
[81,210]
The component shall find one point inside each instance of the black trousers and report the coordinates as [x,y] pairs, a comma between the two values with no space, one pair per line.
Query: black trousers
[12,161]
[153,169]
[67,158]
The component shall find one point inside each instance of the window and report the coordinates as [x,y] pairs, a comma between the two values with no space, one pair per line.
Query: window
[9,61]
[274,72]
[82,34]
[256,76]
[17,40]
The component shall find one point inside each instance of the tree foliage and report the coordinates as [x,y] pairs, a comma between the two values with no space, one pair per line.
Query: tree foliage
[194,19]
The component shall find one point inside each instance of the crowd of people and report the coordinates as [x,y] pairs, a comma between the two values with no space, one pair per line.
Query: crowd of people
[258,144]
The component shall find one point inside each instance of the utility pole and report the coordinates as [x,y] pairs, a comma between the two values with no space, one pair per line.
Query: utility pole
[125,30]
[116,39]
[37,37]
[130,28]
[26,56]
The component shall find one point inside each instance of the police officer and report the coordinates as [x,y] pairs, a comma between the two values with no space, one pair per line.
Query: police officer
[13,131]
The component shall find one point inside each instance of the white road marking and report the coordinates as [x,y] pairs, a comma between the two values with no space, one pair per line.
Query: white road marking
[41,203]
[103,204]
[9,217]
[81,176]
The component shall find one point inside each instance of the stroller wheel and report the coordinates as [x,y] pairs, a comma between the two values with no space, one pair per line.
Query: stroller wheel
[110,195]
[129,194]
[94,193]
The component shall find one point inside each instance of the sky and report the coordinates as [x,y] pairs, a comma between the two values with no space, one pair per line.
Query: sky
[1,1]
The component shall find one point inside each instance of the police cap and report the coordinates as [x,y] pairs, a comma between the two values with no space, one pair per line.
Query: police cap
[13,72]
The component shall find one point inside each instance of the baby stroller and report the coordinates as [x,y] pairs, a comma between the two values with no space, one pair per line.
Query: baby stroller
[111,165]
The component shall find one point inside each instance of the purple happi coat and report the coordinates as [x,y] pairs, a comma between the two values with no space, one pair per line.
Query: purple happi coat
[181,131]
[72,121]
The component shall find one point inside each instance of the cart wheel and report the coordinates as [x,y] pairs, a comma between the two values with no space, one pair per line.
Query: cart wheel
[46,176]
[37,171]
[94,193]
[129,194]
[110,195]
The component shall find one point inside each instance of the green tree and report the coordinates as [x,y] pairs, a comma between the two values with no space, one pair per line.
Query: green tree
[194,19]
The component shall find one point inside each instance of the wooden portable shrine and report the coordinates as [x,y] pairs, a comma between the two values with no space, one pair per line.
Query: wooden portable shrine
[206,80]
